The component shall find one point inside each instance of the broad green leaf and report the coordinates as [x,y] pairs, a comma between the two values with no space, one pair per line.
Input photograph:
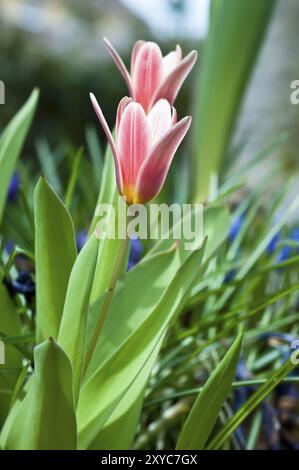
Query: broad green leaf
[236,33]
[130,305]
[137,293]
[123,424]
[117,375]
[204,413]
[45,419]
[9,372]
[11,143]
[55,253]
[72,332]
[108,247]
[126,414]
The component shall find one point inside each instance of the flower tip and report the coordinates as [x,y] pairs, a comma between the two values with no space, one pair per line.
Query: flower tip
[94,101]
[179,51]
[187,120]
[194,55]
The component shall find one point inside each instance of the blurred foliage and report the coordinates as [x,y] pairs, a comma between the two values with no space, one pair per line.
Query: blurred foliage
[67,73]
[236,34]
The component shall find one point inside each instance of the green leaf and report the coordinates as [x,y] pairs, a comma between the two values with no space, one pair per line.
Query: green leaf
[236,33]
[130,305]
[55,253]
[45,419]
[129,309]
[143,286]
[72,332]
[115,379]
[11,143]
[9,372]
[122,423]
[204,413]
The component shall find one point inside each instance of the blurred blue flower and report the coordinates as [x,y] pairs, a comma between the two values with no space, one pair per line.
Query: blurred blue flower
[273,244]
[9,246]
[235,227]
[284,254]
[241,394]
[13,187]
[230,276]
[287,389]
[136,250]
[23,284]
[285,337]
[81,238]
[287,251]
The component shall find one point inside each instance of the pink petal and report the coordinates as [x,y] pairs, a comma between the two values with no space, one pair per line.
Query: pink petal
[132,144]
[147,74]
[174,118]
[153,171]
[159,120]
[171,85]
[121,107]
[136,48]
[172,60]
[106,129]
[119,64]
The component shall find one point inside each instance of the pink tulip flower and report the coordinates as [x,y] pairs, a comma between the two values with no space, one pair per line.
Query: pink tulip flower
[145,146]
[153,76]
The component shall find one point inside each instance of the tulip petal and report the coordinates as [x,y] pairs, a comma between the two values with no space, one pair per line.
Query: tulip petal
[110,139]
[121,107]
[174,118]
[172,60]
[172,83]
[159,120]
[132,145]
[154,169]
[147,74]
[136,48]
[119,64]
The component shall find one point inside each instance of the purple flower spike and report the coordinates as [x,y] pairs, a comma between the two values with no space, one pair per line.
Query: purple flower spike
[13,187]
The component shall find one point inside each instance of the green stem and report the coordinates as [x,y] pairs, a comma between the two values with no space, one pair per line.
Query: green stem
[106,304]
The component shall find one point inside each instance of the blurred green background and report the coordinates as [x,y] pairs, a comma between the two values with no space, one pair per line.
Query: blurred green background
[57,46]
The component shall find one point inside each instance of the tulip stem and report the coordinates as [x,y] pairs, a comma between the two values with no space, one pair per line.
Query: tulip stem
[107,300]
